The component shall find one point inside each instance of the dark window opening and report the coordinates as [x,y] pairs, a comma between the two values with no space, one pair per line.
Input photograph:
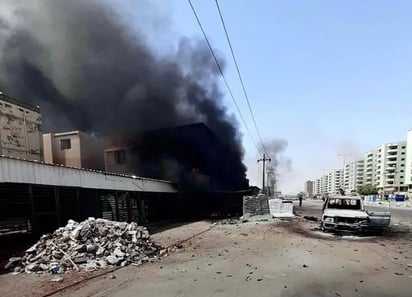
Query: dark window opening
[65,144]
[120,156]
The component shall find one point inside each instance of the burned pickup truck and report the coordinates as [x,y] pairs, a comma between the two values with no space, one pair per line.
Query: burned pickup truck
[347,213]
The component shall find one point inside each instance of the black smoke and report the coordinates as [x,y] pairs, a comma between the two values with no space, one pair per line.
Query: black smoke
[88,70]
[279,164]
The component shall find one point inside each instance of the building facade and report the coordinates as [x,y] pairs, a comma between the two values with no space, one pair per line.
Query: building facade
[335,182]
[20,129]
[390,167]
[74,149]
[353,176]
[317,187]
[309,189]
[369,168]
[408,163]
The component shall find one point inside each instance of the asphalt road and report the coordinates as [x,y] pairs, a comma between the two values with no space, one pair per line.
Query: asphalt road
[398,216]
[314,208]
[285,258]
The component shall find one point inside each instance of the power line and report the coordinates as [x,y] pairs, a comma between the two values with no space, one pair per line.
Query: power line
[240,76]
[221,73]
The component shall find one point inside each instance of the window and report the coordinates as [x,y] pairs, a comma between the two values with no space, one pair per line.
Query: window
[65,144]
[403,159]
[120,156]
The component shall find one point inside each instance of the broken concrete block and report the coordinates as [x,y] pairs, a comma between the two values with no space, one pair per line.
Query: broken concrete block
[12,262]
[112,260]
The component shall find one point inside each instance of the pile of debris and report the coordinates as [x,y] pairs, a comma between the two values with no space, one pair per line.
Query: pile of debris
[88,245]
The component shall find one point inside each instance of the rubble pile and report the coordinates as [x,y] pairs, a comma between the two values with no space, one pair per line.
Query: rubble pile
[255,205]
[88,245]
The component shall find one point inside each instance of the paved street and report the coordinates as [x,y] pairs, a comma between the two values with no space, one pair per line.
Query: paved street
[279,258]
[314,208]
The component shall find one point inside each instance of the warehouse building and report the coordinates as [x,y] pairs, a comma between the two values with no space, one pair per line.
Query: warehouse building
[20,129]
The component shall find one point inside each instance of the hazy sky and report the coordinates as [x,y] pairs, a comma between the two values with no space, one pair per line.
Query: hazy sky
[327,76]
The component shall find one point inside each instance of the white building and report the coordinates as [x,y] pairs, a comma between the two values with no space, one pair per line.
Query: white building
[408,163]
[317,187]
[324,184]
[353,176]
[390,166]
[369,168]
[335,182]
[20,129]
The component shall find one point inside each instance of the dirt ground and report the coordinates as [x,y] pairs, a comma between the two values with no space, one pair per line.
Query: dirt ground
[278,258]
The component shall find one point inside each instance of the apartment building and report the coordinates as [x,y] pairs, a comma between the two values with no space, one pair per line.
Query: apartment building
[369,168]
[335,182]
[324,184]
[408,163]
[75,149]
[390,168]
[353,176]
[308,189]
[20,129]
[317,187]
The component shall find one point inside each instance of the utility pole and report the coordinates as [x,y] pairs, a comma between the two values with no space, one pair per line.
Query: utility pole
[264,171]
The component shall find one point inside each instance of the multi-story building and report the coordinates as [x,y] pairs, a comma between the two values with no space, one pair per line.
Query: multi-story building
[408,163]
[317,187]
[309,189]
[74,148]
[324,184]
[353,175]
[369,168]
[390,167]
[20,129]
[335,182]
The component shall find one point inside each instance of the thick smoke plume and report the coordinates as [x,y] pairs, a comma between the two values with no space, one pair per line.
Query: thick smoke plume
[89,71]
[279,163]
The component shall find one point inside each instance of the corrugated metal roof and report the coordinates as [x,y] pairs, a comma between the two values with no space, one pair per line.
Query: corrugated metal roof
[15,170]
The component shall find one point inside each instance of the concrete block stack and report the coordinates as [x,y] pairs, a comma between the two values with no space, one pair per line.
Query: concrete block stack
[88,245]
[255,205]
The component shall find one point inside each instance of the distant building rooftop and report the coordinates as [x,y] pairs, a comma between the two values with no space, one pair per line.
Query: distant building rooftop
[18,102]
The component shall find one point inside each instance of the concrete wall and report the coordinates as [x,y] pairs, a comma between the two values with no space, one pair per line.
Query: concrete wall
[92,152]
[67,157]
[111,164]
[20,129]
[85,151]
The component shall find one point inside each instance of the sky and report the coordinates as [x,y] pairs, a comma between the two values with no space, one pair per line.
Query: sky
[328,77]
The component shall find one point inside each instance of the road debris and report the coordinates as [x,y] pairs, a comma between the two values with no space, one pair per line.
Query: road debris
[56,279]
[311,218]
[89,245]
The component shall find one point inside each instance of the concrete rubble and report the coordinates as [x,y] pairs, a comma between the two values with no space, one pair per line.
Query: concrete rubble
[88,245]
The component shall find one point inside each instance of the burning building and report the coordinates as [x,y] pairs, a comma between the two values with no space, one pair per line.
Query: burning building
[91,70]
[191,155]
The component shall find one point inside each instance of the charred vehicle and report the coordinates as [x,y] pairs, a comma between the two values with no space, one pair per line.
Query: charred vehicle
[344,213]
